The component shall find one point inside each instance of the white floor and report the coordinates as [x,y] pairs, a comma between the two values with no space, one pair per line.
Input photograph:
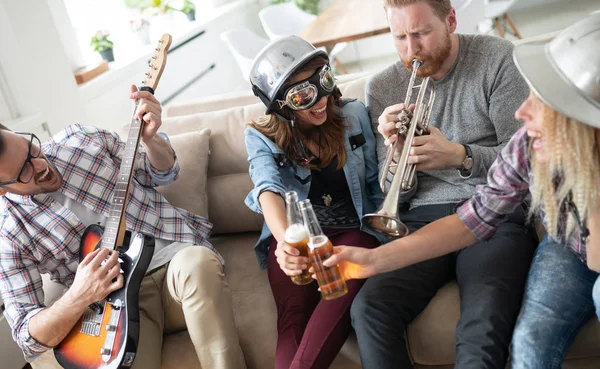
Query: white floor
[532,21]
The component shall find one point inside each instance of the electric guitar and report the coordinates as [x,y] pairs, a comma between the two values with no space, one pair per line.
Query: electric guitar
[107,334]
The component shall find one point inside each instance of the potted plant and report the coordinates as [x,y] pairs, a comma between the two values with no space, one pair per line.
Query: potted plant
[189,9]
[103,45]
[141,28]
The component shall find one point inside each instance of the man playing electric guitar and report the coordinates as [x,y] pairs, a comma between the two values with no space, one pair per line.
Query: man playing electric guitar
[50,193]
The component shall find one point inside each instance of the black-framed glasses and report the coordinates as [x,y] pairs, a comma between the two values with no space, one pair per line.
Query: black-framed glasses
[27,171]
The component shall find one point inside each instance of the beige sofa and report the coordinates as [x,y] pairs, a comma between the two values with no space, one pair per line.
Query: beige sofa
[431,338]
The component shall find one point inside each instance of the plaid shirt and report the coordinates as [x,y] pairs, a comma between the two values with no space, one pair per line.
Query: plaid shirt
[507,187]
[39,235]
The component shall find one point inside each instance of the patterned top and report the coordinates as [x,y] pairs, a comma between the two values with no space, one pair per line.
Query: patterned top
[507,187]
[39,235]
[331,199]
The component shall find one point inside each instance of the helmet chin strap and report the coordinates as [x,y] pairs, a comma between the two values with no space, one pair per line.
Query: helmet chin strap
[301,151]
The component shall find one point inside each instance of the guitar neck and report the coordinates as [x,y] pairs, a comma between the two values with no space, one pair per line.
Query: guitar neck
[114,231]
[115,227]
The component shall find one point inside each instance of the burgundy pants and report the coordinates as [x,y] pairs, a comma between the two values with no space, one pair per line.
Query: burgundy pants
[311,332]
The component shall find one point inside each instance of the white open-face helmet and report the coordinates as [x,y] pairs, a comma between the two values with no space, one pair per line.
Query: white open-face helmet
[565,72]
[276,63]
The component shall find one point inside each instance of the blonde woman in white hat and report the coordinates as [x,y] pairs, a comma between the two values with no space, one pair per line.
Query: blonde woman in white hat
[554,160]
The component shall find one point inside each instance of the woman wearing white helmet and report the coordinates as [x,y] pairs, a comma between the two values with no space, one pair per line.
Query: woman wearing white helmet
[554,159]
[314,143]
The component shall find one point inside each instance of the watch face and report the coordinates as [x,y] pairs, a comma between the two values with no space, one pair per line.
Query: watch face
[468,163]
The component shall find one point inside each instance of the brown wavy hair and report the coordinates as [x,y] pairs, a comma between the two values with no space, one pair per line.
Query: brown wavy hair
[328,138]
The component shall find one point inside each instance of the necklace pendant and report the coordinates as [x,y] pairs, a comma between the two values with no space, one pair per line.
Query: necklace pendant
[327,199]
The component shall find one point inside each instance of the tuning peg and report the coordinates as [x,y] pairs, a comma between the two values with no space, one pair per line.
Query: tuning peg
[154,58]
[157,49]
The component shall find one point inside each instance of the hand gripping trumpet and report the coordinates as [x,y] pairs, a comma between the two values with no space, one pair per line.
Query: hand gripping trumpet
[396,171]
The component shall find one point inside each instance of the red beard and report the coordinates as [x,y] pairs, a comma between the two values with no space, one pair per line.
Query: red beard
[432,62]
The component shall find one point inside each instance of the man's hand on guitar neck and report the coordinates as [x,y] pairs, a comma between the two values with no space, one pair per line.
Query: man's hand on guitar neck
[160,154]
[94,280]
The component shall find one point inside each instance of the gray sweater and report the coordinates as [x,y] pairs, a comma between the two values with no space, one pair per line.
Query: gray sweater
[475,105]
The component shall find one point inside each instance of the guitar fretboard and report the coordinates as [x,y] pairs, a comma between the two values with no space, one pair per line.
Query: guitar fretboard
[122,186]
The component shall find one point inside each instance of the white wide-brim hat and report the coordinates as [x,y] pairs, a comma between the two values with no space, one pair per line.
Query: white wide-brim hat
[565,72]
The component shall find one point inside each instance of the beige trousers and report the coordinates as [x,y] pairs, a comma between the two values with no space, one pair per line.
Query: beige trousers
[190,292]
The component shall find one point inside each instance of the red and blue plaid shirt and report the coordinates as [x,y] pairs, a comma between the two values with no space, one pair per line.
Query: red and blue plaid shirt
[508,186]
[39,235]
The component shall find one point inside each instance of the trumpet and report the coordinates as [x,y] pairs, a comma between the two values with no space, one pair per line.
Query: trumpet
[396,174]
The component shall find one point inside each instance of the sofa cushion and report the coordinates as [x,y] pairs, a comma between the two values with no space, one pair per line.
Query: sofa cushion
[432,341]
[189,191]
[228,151]
[355,89]
[226,193]
[253,304]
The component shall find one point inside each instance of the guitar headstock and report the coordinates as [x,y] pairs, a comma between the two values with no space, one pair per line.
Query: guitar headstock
[157,62]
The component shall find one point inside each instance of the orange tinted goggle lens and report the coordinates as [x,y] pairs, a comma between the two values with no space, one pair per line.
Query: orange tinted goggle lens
[302,97]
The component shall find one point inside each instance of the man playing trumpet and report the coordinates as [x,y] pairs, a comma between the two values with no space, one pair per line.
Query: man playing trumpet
[477,90]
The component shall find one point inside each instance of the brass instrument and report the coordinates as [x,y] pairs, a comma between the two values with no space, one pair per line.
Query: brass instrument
[396,171]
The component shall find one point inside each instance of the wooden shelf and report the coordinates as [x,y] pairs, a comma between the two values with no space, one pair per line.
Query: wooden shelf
[90,72]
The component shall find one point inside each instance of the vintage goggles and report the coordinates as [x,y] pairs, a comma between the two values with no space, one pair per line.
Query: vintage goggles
[303,95]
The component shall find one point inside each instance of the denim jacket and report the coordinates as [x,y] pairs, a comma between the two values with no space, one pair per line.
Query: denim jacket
[271,170]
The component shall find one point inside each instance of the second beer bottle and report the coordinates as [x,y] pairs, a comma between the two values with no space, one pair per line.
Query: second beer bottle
[330,279]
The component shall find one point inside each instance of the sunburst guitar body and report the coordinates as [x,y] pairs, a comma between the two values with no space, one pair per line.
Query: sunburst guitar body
[107,334]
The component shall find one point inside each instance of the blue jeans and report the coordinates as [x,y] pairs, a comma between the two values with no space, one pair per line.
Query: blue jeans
[596,295]
[557,303]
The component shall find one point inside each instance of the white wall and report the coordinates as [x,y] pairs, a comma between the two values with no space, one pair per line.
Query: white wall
[34,64]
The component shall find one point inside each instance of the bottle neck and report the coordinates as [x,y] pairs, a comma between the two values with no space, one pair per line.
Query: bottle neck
[292,211]
[310,219]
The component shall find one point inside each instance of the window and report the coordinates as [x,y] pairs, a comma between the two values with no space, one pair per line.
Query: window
[112,16]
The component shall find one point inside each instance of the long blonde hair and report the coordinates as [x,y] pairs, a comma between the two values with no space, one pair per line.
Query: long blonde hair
[329,137]
[572,169]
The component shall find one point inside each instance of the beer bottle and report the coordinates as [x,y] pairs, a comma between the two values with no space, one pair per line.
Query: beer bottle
[296,235]
[330,279]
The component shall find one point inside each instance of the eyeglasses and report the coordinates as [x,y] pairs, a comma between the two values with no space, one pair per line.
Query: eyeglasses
[303,95]
[27,171]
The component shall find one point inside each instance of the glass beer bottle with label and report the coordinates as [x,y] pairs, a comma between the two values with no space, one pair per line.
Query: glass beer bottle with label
[296,235]
[330,279]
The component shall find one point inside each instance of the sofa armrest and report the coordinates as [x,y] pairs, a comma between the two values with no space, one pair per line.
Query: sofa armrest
[213,103]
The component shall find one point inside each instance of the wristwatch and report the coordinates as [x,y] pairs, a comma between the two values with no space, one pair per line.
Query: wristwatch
[467,163]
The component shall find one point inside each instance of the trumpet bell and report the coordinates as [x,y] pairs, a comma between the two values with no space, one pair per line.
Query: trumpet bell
[386,224]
